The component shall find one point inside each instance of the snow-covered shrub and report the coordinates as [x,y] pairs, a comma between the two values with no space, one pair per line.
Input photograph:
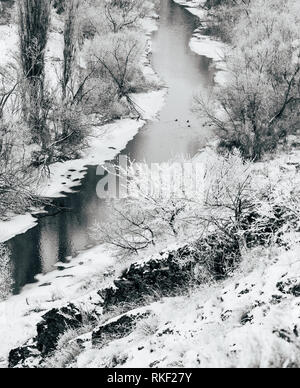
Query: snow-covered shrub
[6,281]
[116,16]
[258,108]
[152,212]
[16,182]
[116,71]
[148,326]
[68,349]
[233,205]
[225,14]
[15,190]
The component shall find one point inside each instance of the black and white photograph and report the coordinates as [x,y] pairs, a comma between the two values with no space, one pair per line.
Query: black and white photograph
[149,187]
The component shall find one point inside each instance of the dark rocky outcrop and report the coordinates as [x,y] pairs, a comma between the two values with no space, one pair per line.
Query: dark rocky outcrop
[19,356]
[155,278]
[54,323]
[289,287]
[117,328]
[172,273]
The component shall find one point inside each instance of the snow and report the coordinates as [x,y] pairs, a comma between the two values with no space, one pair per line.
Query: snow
[214,49]
[206,45]
[206,328]
[8,39]
[251,319]
[16,225]
[203,329]
[194,6]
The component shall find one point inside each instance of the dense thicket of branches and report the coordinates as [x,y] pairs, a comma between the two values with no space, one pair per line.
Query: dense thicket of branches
[259,106]
[115,50]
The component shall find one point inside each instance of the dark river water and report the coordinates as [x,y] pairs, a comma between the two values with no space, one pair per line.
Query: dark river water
[59,237]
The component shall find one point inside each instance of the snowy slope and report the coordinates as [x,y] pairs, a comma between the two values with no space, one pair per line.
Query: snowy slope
[250,320]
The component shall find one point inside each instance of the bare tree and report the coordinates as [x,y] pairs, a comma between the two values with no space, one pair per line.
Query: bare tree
[34,20]
[122,14]
[116,67]
[15,175]
[153,210]
[70,44]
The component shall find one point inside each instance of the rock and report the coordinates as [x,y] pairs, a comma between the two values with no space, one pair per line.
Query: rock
[247,318]
[171,272]
[296,290]
[21,356]
[226,315]
[290,287]
[117,328]
[55,322]
[156,278]
[283,334]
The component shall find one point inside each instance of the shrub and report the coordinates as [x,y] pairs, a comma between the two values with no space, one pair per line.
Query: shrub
[258,108]
[116,71]
[68,349]
[231,207]
[121,14]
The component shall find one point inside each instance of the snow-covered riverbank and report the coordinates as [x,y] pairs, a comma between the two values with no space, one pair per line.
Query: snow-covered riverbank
[205,45]
[20,313]
[104,142]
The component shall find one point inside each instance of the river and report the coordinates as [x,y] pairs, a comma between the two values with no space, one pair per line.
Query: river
[59,236]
